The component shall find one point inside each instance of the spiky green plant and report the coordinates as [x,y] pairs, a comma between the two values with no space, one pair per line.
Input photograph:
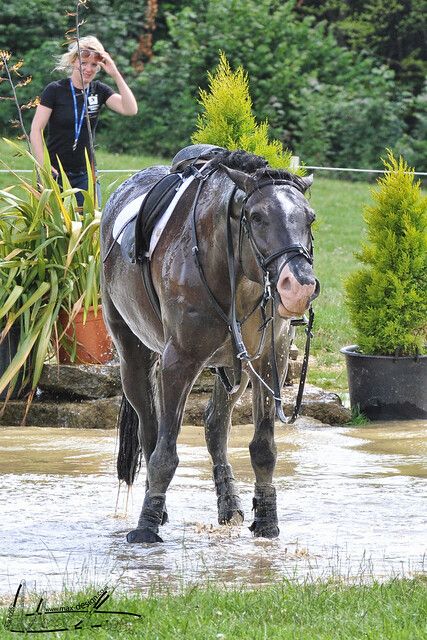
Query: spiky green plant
[387,297]
[228,121]
[49,260]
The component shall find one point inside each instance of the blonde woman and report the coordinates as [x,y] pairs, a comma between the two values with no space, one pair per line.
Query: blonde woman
[62,108]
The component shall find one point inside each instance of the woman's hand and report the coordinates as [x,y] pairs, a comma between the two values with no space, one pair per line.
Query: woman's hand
[123,102]
[109,66]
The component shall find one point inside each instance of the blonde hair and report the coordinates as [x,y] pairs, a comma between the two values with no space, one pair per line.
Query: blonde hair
[65,62]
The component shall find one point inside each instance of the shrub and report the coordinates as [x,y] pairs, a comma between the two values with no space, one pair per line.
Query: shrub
[49,260]
[228,120]
[387,297]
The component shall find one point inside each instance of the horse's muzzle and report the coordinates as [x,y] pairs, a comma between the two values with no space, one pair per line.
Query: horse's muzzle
[296,291]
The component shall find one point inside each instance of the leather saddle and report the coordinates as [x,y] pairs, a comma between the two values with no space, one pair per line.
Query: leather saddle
[186,162]
[152,208]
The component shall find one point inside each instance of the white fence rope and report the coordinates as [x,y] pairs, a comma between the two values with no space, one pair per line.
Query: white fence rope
[416,173]
[294,165]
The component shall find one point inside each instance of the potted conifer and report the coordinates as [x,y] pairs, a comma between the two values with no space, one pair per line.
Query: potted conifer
[387,301]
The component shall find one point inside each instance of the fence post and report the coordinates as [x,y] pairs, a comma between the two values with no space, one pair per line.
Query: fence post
[294,163]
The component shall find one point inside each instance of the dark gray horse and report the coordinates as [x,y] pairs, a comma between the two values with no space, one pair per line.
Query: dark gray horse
[238,238]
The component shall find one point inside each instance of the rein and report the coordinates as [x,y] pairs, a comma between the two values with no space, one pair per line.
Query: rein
[232,321]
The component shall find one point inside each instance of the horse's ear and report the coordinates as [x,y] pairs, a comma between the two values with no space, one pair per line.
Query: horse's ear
[307,181]
[244,181]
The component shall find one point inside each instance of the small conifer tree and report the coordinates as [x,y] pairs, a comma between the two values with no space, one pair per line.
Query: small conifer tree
[387,297]
[228,121]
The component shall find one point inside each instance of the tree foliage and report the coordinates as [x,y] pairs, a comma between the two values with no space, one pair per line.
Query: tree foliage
[387,296]
[337,81]
[309,87]
[392,30]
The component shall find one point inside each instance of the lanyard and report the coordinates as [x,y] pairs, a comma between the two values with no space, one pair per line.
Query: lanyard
[77,122]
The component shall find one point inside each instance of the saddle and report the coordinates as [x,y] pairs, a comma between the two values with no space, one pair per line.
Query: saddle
[152,208]
[186,162]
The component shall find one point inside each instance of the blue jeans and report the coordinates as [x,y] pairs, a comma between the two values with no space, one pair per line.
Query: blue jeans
[79,181]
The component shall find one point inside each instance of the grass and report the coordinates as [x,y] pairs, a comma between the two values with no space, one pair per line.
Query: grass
[339,227]
[105,160]
[395,610]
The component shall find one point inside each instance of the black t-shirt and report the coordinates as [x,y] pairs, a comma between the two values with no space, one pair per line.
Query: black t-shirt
[61,132]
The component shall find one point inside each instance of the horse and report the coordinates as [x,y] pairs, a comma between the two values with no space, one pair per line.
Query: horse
[238,243]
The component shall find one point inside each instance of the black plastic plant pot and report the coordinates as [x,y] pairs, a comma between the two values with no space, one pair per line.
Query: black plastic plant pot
[387,387]
[8,349]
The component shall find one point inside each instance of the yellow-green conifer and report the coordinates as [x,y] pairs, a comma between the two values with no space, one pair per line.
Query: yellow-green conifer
[228,121]
[387,296]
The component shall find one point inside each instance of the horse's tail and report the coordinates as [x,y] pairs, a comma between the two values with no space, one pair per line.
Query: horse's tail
[130,450]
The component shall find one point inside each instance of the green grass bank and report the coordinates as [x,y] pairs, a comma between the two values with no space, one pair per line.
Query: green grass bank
[339,227]
[395,610]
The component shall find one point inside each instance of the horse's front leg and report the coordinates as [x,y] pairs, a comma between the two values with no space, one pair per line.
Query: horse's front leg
[263,458]
[175,378]
[217,428]
[262,448]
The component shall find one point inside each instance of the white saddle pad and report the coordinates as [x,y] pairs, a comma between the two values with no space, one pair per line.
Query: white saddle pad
[131,211]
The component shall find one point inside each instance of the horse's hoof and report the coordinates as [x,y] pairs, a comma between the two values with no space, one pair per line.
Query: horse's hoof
[232,517]
[143,535]
[230,509]
[264,531]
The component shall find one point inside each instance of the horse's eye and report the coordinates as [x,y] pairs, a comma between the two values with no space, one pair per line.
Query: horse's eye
[256,217]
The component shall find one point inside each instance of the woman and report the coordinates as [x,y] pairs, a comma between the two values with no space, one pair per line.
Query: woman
[62,107]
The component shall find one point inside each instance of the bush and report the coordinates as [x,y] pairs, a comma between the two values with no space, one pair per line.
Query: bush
[414,146]
[228,120]
[49,260]
[308,87]
[387,298]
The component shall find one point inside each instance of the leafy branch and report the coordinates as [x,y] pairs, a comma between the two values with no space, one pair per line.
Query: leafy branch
[12,71]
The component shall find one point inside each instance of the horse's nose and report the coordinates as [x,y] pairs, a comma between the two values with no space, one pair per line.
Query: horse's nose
[316,291]
[296,291]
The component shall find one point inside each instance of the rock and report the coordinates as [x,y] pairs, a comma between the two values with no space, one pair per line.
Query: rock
[323,406]
[293,352]
[82,414]
[87,381]
[88,397]
[294,371]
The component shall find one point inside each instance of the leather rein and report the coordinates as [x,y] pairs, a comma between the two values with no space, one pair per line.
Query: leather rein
[235,325]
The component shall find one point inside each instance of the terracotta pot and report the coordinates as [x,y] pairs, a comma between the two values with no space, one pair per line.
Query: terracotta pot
[94,345]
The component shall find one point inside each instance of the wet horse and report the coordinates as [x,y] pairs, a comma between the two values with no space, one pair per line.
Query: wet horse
[237,244]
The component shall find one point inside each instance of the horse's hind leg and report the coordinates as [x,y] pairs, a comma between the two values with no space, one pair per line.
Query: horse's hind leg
[217,428]
[176,375]
[137,368]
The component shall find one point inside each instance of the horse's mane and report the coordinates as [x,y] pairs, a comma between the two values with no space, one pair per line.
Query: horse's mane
[256,166]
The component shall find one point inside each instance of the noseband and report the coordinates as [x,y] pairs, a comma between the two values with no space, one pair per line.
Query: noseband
[234,325]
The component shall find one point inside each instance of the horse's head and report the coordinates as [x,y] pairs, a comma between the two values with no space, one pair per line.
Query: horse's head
[277,220]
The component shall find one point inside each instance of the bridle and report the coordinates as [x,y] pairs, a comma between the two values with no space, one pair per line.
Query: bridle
[291,252]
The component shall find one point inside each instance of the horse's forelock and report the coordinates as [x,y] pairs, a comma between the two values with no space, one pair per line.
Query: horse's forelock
[280,174]
[256,166]
[241,160]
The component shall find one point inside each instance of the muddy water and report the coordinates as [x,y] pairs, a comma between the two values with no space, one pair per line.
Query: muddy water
[351,503]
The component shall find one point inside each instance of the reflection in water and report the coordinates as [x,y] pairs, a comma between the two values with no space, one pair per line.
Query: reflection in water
[350,502]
